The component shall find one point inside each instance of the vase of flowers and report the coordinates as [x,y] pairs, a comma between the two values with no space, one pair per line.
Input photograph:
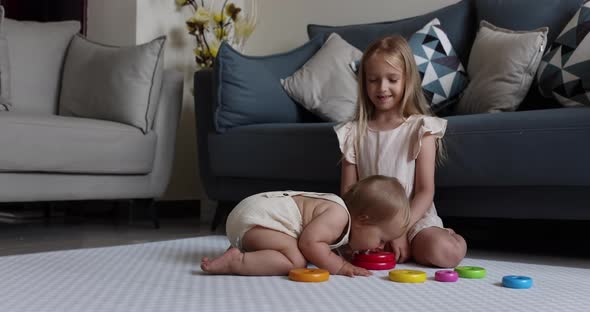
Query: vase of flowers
[215,21]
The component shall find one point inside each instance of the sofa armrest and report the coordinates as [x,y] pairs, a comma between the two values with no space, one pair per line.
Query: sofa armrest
[165,126]
[204,95]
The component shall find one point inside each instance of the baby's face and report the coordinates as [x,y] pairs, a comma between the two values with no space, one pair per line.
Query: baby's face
[373,236]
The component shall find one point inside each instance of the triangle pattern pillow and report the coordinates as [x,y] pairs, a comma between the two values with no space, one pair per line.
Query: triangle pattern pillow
[564,72]
[443,75]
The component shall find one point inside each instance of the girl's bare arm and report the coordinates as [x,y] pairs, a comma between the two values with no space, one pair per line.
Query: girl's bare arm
[424,179]
[349,176]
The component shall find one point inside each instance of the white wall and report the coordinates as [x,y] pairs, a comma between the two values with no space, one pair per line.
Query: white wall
[281,26]
[112,21]
[282,23]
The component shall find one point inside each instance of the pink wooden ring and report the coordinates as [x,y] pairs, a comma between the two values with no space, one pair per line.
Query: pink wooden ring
[446,276]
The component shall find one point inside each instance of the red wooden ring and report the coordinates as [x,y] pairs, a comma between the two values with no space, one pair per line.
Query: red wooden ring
[374,265]
[378,256]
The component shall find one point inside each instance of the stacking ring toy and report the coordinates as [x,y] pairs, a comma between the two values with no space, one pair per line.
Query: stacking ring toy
[407,276]
[378,256]
[379,260]
[471,272]
[517,282]
[309,275]
[374,265]
[446,276]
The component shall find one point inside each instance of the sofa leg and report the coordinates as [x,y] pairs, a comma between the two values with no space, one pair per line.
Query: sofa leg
[150,205]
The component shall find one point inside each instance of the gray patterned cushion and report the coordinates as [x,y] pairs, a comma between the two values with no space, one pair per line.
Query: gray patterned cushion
[443,75]
[564,72]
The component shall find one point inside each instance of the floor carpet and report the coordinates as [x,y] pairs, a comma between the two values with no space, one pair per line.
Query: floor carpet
[165,276]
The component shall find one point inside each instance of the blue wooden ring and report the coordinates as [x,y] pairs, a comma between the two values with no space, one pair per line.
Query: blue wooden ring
[517,282]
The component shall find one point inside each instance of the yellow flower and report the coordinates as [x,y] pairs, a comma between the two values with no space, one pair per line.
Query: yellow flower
[219,17]
[214,47]
[201,17]
[220,33]
[232,10]
[181,2]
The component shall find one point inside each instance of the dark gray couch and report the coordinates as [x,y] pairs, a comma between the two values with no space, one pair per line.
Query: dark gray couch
[532,163]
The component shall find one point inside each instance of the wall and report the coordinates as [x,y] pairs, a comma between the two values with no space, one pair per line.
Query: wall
[111,21]
[282,23]
[281,26]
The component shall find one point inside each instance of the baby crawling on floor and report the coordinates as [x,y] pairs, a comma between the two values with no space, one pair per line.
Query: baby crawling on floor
[274,232]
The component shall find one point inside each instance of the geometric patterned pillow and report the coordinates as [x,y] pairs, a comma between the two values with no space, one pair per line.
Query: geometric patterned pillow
[564,72]
[443,75]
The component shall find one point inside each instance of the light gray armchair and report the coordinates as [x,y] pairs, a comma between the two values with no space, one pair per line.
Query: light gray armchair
[48,157]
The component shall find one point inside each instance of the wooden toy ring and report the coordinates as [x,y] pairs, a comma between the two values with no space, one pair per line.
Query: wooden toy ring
[309,275]
[407,276]
[517,282]
[471,272]
[378,256]
[374,265]
[446,276]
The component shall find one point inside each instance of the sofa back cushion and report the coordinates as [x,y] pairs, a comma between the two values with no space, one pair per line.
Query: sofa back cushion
[458,21]
[249,90]
[36,52]
[119,84]
[528,14]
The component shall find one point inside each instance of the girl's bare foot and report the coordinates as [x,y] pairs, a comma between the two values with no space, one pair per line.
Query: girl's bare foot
[223,263]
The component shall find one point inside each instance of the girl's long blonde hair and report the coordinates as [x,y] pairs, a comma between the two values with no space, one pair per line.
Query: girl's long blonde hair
[397,52]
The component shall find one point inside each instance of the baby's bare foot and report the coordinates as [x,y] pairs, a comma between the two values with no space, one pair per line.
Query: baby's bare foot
[223,263]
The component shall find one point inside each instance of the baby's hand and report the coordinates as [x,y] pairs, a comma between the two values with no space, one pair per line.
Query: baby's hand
[350,270]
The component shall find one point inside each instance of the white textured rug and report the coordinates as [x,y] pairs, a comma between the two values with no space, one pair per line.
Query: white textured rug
[165,276]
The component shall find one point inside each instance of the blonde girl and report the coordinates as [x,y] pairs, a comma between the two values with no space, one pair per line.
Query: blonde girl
[394,134]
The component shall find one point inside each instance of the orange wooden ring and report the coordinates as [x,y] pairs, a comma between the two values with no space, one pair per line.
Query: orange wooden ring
[309,275]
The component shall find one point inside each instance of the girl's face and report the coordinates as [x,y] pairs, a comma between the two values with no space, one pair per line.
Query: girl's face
[385,83]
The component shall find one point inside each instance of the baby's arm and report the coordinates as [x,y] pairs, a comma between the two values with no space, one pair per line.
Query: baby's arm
[318,234]
[349,176]
[424,179]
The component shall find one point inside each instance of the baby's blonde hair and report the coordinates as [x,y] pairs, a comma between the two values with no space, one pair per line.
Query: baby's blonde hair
[379,198]
[397,52]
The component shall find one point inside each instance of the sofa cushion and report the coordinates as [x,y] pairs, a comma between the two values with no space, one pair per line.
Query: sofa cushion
[291,151]
[564,72]
[4,68]
[325,85]
[50,143]
[500,80]
[528,148]
[249,90]
[113,83]
[458,20]
[36,52]
[528,14]
[443,75]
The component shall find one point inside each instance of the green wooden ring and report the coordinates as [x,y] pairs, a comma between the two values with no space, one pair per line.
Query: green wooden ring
[471,272]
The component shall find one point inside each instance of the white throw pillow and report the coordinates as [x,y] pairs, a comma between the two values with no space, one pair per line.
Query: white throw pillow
[502,66]
[119,84]
[325,85]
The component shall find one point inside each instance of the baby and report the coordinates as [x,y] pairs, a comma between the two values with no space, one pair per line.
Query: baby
[272,233]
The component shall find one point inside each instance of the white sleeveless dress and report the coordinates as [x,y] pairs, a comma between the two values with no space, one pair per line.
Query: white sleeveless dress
[393,153]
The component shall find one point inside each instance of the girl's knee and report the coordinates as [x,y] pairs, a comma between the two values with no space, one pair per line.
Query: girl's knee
[445,249]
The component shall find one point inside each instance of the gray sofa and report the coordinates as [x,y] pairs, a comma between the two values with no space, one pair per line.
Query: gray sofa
[49,157]
[527,164]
